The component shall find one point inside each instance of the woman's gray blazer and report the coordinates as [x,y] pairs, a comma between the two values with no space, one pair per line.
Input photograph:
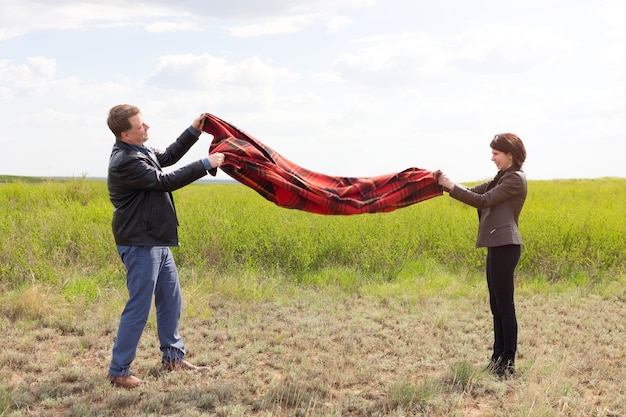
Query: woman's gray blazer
[498,208]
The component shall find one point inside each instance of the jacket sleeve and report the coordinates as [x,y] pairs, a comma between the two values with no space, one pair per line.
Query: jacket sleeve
[510,185]
[140,174]
[480,189]
[177,149]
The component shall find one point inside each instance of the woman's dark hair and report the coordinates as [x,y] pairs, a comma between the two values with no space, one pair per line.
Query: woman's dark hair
[510,143]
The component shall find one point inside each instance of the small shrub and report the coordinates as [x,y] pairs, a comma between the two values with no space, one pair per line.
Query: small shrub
[406,396]
[464,376]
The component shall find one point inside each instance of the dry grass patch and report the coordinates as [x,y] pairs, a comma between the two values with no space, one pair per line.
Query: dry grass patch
[322,352]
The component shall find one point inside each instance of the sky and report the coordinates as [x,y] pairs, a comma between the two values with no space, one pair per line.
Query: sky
[343,87]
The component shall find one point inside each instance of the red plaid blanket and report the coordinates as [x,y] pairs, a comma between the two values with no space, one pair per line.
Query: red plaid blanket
[288,185]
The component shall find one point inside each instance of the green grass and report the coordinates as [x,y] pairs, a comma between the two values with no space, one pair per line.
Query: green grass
[574,231]
[301,314]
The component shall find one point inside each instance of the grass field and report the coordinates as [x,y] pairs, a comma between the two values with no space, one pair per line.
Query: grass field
[305,315]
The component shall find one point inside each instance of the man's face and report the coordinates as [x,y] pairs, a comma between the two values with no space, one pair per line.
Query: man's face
[138,133]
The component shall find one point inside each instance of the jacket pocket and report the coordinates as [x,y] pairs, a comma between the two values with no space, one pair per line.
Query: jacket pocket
[503,235]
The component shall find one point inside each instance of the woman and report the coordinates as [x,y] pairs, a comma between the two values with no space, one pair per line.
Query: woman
[499,203]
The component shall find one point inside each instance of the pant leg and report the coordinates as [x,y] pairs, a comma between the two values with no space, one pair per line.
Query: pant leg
[498,343]
[503,261]
[142,269]
[168,301]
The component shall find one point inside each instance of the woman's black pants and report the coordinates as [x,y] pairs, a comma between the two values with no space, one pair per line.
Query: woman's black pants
[501,263]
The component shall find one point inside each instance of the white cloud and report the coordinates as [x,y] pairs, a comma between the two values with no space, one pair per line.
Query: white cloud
[612,13]
[169,27]
[404,59]
[43,67]
[335,23]
[310,5]
[20,17]
[274,26]
[30,79]
[194,72]
[507,49]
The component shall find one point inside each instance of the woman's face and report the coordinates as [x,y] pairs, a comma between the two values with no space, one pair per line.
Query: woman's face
[503,160]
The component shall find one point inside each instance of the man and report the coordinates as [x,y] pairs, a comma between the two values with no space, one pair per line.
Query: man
[145,226]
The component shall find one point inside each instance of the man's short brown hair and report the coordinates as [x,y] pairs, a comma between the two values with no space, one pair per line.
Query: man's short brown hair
[118,118]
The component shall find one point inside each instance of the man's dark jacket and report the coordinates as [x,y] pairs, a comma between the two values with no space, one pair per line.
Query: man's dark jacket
[141,192]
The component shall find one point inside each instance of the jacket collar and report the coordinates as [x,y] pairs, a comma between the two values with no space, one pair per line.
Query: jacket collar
[143,150]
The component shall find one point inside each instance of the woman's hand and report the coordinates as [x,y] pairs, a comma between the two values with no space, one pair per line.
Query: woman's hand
[445,182]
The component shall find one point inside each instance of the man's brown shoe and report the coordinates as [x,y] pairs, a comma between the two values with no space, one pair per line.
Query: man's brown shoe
[125,381]
[183,366]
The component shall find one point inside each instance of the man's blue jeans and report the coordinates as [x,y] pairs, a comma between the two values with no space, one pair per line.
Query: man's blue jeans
[149,271]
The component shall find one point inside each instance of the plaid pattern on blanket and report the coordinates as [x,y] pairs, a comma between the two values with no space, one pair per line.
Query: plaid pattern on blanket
[288,185]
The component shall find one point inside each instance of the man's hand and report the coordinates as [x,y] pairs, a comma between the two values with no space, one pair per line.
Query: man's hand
[216,159]
[199,121]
